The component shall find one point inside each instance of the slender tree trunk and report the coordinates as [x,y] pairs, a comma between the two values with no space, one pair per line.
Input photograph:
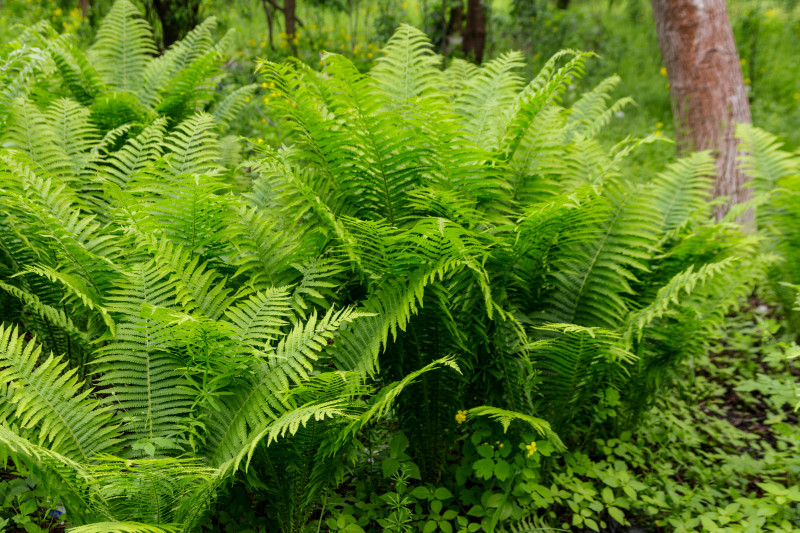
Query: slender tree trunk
[84,7]
[290,19]
[706,86]
[268,13]
[474,37]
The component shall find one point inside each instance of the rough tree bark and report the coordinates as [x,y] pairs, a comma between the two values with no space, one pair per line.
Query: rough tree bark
[706,86]
[474,36]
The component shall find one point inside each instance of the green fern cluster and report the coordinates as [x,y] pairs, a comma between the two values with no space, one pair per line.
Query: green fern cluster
[775,179]
[162,332]
[482,218]
[120,80]
[159,333]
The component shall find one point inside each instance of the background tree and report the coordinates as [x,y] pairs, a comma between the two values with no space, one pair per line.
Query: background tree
[706,85]
[175,18]
[474,35]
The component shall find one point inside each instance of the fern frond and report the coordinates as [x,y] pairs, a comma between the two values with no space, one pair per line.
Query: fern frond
[594,274]
[177,57]
[192,146]
[123,47]
[78,73]
[50,408]
[135,155]
[576,363]
[126,527]
[29,132]
[409,71]
[226,111]
[261,317]
[145,381]
[681,191]
[261,400]
[487,95]
[681,284]
[505,417]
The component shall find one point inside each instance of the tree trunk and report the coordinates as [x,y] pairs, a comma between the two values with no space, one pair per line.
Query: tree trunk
[290,19]
[268,13]
[177,18]
[84,7]
[474,37]
[562,4]
[706,86]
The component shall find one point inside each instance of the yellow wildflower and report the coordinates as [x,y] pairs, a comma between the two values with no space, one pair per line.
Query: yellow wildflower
[531,448]
[660,125]
[58,12]
[461,417]
[742,62]
[264,85]
[796,96]
[663,71]
[747,81]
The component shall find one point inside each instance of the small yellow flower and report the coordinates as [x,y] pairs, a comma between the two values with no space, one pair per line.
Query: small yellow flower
[658,133]
[260,140]
[264,85]
[369,55]
[667,85]
[663,71]
[461,417]
[660,125]
[743,62]
[263,44]
[58,12]
[796,96]
[501,444]
[531,448]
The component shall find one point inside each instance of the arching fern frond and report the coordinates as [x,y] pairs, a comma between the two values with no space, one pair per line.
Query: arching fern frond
[123,47]
[49,407]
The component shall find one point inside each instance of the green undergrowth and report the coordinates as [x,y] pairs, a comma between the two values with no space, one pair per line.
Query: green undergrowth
[715,453]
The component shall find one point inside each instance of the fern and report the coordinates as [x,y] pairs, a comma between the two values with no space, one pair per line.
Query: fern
[123,47]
